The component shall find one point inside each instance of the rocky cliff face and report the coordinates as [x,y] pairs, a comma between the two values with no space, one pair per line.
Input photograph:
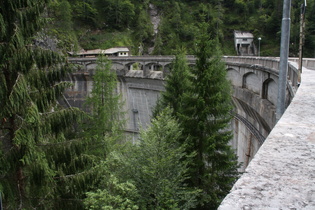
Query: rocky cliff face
[45,41]
[155,20]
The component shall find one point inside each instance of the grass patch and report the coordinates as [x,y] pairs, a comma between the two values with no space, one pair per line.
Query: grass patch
[104,40]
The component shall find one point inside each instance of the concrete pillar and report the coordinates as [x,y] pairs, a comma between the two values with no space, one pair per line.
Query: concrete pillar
[146,70]
[166,70]
[125,70]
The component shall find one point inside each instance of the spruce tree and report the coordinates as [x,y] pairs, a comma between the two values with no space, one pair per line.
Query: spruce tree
[158,166]
[103,133]
[205,118]
[34,129]
[114,190]
[201,101]
[106,122]
[177,83]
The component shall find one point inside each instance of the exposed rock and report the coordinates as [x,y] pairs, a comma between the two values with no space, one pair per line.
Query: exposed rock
[154,17]
[46,42]
[155,20]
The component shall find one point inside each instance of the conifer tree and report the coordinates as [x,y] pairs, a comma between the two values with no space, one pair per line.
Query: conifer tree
[177,83]
[158,166]
[201,102]
[33,128]
[106,123]
[114,190]
[205,117]
[148,175]
[102,133]
[143,32]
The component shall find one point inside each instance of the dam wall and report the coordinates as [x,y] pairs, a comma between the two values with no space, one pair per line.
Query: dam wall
[282,173]
[141,79]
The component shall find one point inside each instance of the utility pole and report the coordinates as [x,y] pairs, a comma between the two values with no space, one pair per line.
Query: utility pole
[284,54]
[302,27]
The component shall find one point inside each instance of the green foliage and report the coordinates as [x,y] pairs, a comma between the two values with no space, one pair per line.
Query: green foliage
[143,31]
[309,43]
[177,28]
[148,175]
[202,110]
[205,119]
[62,13]
[102,24]
[106,121]
[157,168]
[104,40]
[85,12]
[33,126]
[114,190]
[177,83]
[114,195]
[115,14]
[60,25]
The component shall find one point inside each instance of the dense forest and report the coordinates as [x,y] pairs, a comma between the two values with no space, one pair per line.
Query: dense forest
[91,24]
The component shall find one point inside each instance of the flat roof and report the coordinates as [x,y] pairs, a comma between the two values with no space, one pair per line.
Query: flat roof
[100,51]
[243,34]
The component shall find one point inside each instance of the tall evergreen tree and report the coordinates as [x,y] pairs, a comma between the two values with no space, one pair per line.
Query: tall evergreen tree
[201,103]
[177,83]
[115,13]
[143,31]
[159,166]
[115,190]
[33,127]
[103,132]
[106,123]
[148,175]
[205,118]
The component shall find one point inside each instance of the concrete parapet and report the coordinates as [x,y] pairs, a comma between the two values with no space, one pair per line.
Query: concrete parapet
[308,63]
[282,173]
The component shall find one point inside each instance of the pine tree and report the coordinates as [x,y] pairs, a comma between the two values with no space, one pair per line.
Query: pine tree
[143,32]
[177,83]
[115,13]
[33,128]
[201,102]
[113,195]
[205,118]
[106,123]
[102,134]
[158,166]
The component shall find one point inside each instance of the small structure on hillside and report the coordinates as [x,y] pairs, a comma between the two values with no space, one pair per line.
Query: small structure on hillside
[244,43]
[115,51]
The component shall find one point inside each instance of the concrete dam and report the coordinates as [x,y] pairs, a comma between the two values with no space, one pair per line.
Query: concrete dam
[255,85]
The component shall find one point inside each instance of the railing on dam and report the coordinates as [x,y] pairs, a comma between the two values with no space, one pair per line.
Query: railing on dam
[268,63]
[281,175]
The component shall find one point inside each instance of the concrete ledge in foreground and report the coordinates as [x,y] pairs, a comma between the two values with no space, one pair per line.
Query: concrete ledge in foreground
[282,173]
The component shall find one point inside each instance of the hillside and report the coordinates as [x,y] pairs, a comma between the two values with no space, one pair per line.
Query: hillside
[162,26]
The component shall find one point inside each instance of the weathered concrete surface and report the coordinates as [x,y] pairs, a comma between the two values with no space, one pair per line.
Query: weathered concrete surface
[282,173]
[141,79]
